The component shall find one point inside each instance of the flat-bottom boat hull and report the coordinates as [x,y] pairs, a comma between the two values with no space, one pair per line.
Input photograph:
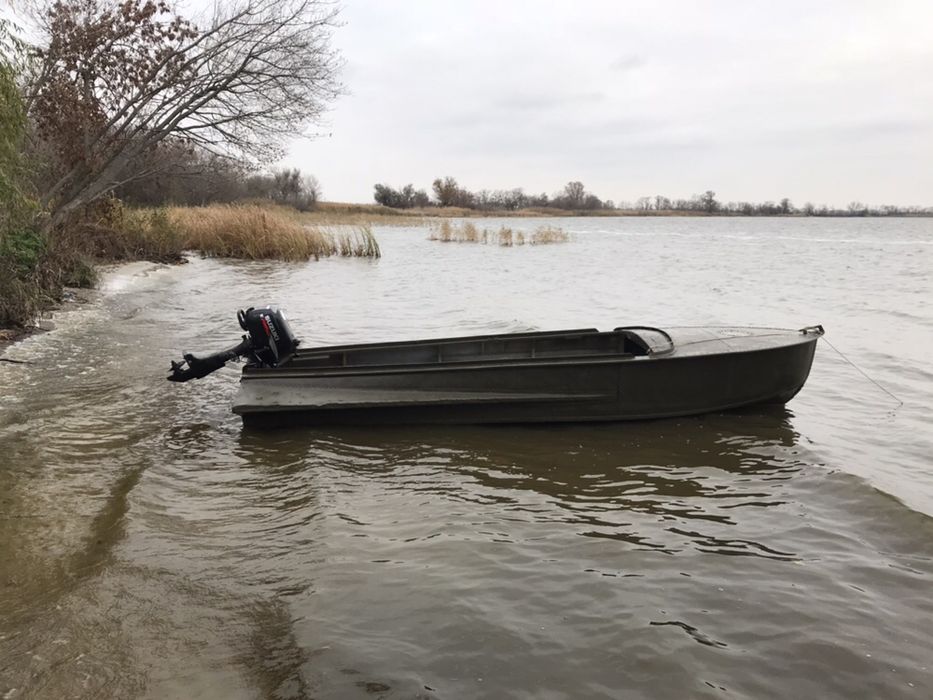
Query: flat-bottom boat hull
[608,389]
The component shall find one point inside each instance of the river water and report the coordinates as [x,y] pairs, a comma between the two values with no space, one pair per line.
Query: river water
[149,547]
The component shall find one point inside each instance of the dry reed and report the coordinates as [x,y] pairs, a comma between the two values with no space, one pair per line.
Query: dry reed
[467,232]
[549,234]
[256,232]
[358,243]
[443,232]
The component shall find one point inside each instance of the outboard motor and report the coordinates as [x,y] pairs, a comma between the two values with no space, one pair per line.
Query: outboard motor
[268,343]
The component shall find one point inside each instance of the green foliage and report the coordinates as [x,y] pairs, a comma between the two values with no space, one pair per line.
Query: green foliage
[21,251]
[23,282]
[15,206]
[12,120]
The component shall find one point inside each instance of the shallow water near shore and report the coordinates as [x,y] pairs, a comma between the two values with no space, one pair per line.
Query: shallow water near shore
[150,547]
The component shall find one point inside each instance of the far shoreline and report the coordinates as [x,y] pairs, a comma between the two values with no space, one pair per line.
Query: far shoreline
[378,210]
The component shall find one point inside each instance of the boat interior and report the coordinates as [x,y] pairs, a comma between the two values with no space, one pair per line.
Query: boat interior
[512,346]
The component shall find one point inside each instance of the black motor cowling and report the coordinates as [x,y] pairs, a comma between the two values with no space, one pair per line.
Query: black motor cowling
[271,338]
[268,343]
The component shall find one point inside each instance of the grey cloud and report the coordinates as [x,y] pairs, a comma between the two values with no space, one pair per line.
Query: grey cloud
[753,102]
[544,101]
[857,131]
[627,63]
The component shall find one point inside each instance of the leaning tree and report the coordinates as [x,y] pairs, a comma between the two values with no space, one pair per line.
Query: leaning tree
[117,80]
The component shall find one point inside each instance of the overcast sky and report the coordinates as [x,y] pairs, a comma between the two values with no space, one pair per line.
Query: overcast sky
[821,101]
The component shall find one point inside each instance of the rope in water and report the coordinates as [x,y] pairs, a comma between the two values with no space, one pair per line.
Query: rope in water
[862,372]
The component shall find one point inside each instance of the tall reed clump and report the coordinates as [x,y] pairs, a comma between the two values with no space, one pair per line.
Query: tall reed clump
[358,243]
[549,234]
[470,232]
[256,233]
[443,232]
[467,232]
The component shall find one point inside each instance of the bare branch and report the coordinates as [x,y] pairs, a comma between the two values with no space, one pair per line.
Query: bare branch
[120,77]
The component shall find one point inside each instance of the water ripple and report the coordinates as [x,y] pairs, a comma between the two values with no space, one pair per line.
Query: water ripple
[152,547]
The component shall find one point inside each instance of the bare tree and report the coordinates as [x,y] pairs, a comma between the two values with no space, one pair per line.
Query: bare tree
[421,199]
[403,198]
[120,77]
[311,189]
[575,194]
[857,209]
[446,191]
[287,184]
[182,175]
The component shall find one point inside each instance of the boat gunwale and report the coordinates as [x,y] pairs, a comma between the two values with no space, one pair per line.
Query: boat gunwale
[447,341]
[323,351]
[455,340]
[798,336]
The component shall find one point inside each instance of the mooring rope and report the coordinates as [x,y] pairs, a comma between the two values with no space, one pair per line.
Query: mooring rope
[766,335]
[863,373]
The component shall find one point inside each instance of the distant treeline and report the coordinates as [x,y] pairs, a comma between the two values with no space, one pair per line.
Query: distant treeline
[196,177]
[707,203]
[446,192]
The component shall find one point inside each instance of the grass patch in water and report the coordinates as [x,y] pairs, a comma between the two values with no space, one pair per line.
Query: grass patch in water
[467,232]
[544,235]
[248,232]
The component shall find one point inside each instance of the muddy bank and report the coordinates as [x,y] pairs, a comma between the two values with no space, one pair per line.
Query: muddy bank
[72,298]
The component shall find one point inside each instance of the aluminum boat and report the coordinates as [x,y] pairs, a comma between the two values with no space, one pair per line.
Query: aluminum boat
[581,375]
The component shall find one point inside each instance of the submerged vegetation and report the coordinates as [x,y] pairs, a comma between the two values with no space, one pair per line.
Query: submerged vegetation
[467,232]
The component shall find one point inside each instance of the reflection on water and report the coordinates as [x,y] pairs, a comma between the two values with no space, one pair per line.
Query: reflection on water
[152,547]
[606,480]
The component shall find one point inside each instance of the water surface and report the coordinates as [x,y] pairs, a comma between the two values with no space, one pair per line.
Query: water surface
[150,547]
